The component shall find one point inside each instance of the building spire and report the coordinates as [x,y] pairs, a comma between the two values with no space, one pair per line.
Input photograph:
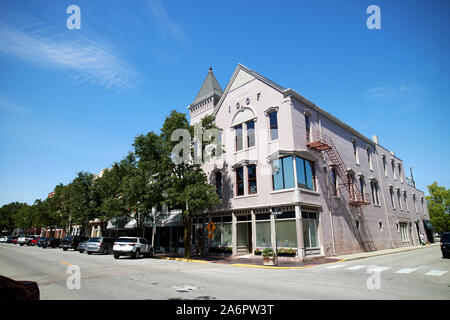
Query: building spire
[210,88]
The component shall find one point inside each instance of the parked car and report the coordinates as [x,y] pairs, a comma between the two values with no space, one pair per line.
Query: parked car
[103,245]
[51,242]
[18,290]
[9,239]
[30,238]
[34,241]
[3,239]
[71,242]
[445,244]
[41,241]
[131,246]
[14,239]
[22,240]
[81,247]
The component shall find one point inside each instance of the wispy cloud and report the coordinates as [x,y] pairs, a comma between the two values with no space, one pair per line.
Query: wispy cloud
[386,92]
[90,60]
[9,106]
[167,26]
[406,98]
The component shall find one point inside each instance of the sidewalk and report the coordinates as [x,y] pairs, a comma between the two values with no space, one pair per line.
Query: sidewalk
[355,256]
[286,263]
[248,261]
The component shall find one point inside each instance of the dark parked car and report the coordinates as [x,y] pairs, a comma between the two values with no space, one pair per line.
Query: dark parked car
[81,247]
[14,239]
[41,241]
[18,290]
[103,245]
[9,239]
[51,242]
[71,242]
[445,244]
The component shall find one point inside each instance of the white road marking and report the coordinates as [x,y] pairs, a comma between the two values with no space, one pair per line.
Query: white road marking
[406,270]
[335,266]
[356,267]
[435,273]
[377,269]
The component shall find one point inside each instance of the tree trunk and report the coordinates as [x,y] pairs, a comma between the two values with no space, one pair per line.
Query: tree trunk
[187,236]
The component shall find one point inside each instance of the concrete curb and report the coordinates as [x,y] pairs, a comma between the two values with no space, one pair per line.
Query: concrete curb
[182,259]
[358,256]
[246,265]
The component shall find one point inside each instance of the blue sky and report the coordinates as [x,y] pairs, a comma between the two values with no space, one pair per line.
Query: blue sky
[73,100]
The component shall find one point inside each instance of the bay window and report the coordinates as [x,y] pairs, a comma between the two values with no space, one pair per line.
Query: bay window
[240,181]
[283,173]
[305,173]
[251,176]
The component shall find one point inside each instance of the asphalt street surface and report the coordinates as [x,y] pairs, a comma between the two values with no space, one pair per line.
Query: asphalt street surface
[417,274]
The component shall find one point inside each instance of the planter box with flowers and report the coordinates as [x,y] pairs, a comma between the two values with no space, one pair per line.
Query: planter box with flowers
[286,252]
[269,257]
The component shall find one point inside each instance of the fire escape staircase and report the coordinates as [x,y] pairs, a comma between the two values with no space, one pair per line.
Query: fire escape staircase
[321,143]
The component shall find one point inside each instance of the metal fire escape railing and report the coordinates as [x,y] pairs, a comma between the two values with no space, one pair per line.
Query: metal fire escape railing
[322,142]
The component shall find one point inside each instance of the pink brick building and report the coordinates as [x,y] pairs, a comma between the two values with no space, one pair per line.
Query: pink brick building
[295,177]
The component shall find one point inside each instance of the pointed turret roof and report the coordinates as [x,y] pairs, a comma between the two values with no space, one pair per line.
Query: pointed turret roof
[210,87]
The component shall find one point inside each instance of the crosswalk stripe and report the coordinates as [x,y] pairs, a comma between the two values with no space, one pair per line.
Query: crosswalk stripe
[377,269]
[334,266]
[406,270]
[356,267]
[435,273]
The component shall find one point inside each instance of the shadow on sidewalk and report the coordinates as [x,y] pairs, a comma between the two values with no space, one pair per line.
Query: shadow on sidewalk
[250,260]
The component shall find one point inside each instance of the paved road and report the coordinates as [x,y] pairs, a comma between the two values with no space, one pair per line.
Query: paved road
[418,274]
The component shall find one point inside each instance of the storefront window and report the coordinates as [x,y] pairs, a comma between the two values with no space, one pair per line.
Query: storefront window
[226,234]
[217,240]
[286,234]
[310,230]
[242,234]
[263,234]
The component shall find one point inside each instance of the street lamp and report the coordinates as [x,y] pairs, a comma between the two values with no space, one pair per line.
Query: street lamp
[275,212]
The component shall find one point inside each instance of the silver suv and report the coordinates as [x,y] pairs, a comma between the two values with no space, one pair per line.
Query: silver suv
[102,245]
[131,246]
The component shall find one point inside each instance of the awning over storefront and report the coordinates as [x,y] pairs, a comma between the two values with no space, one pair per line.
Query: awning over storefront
[117,224]
[427,224]
[173,219]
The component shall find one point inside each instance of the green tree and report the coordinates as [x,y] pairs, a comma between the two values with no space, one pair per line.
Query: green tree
[439,207]
[185,183]
[45,215]
[7,213]
[81,203]
[25,217]
[107,194]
